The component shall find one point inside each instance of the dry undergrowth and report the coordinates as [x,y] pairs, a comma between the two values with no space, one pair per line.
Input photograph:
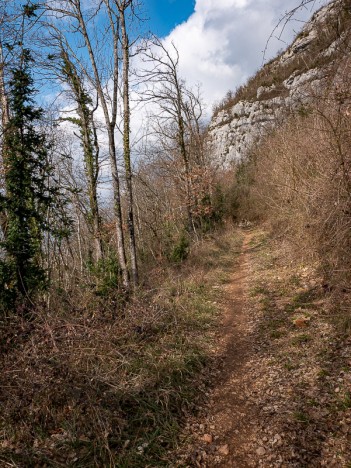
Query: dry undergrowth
[299,180]
[82,387]
[282,396]
[303,382]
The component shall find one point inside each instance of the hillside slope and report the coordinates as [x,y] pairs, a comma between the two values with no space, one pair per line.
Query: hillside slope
[285,84]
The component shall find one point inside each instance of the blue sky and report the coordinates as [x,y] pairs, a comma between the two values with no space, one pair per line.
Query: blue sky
[220,42]
[165,15]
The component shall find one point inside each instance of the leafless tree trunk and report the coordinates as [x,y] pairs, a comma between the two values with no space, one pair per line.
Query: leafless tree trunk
[108,102]
[3,96]
[179,112]
[111,125]
[90,145]
[5,117]
[122,6]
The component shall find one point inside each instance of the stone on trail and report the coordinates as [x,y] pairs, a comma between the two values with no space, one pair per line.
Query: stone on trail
[261,451]
[207,438]
[223,449]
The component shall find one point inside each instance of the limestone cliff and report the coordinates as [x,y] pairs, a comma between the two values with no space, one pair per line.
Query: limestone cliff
[283,85]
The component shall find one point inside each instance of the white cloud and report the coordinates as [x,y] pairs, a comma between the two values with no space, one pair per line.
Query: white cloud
[222,42]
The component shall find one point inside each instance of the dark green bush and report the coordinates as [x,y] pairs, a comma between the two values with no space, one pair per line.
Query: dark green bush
[180,250]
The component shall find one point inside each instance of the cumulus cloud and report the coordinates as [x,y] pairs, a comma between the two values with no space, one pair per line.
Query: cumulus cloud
[223,41]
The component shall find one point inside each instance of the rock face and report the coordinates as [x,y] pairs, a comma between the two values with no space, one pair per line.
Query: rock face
[232,132]
[284,85]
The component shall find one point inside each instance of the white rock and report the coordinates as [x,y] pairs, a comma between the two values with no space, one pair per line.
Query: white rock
[261,451]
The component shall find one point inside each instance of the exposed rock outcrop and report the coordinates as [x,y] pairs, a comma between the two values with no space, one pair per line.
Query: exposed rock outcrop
[284,85]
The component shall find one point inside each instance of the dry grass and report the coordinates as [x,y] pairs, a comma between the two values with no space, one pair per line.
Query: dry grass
[304,361]
[87,387]
[299,180]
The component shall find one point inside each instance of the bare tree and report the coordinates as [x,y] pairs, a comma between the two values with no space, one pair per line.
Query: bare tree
[177,122]
[4,105]
[103,76]
[88,137]
[288,16]
[123,6]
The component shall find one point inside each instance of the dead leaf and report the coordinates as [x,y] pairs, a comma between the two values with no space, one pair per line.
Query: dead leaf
[302,322]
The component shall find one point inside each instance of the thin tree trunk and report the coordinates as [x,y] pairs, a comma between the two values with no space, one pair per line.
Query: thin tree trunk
[183,152]
[89,139]
[5,117]
[118,209]
[91,170]
[91,152]
[127,152]
[110,124]
[99,250]
[79,243]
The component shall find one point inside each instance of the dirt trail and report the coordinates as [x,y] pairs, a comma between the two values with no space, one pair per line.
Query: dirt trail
[228,427]
[280,393]
[233,417]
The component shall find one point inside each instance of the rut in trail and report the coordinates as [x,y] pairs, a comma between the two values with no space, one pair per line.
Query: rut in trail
[231,417]
[232,414]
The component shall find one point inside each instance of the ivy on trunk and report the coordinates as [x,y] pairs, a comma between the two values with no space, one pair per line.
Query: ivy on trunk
[27,196]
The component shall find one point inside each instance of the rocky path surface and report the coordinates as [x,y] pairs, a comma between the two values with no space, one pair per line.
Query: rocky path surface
[231,414]
[280,396]
[225,433]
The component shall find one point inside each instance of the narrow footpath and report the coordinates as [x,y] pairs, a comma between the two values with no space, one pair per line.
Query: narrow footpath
[225,432]
[280,395]
[231,415]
